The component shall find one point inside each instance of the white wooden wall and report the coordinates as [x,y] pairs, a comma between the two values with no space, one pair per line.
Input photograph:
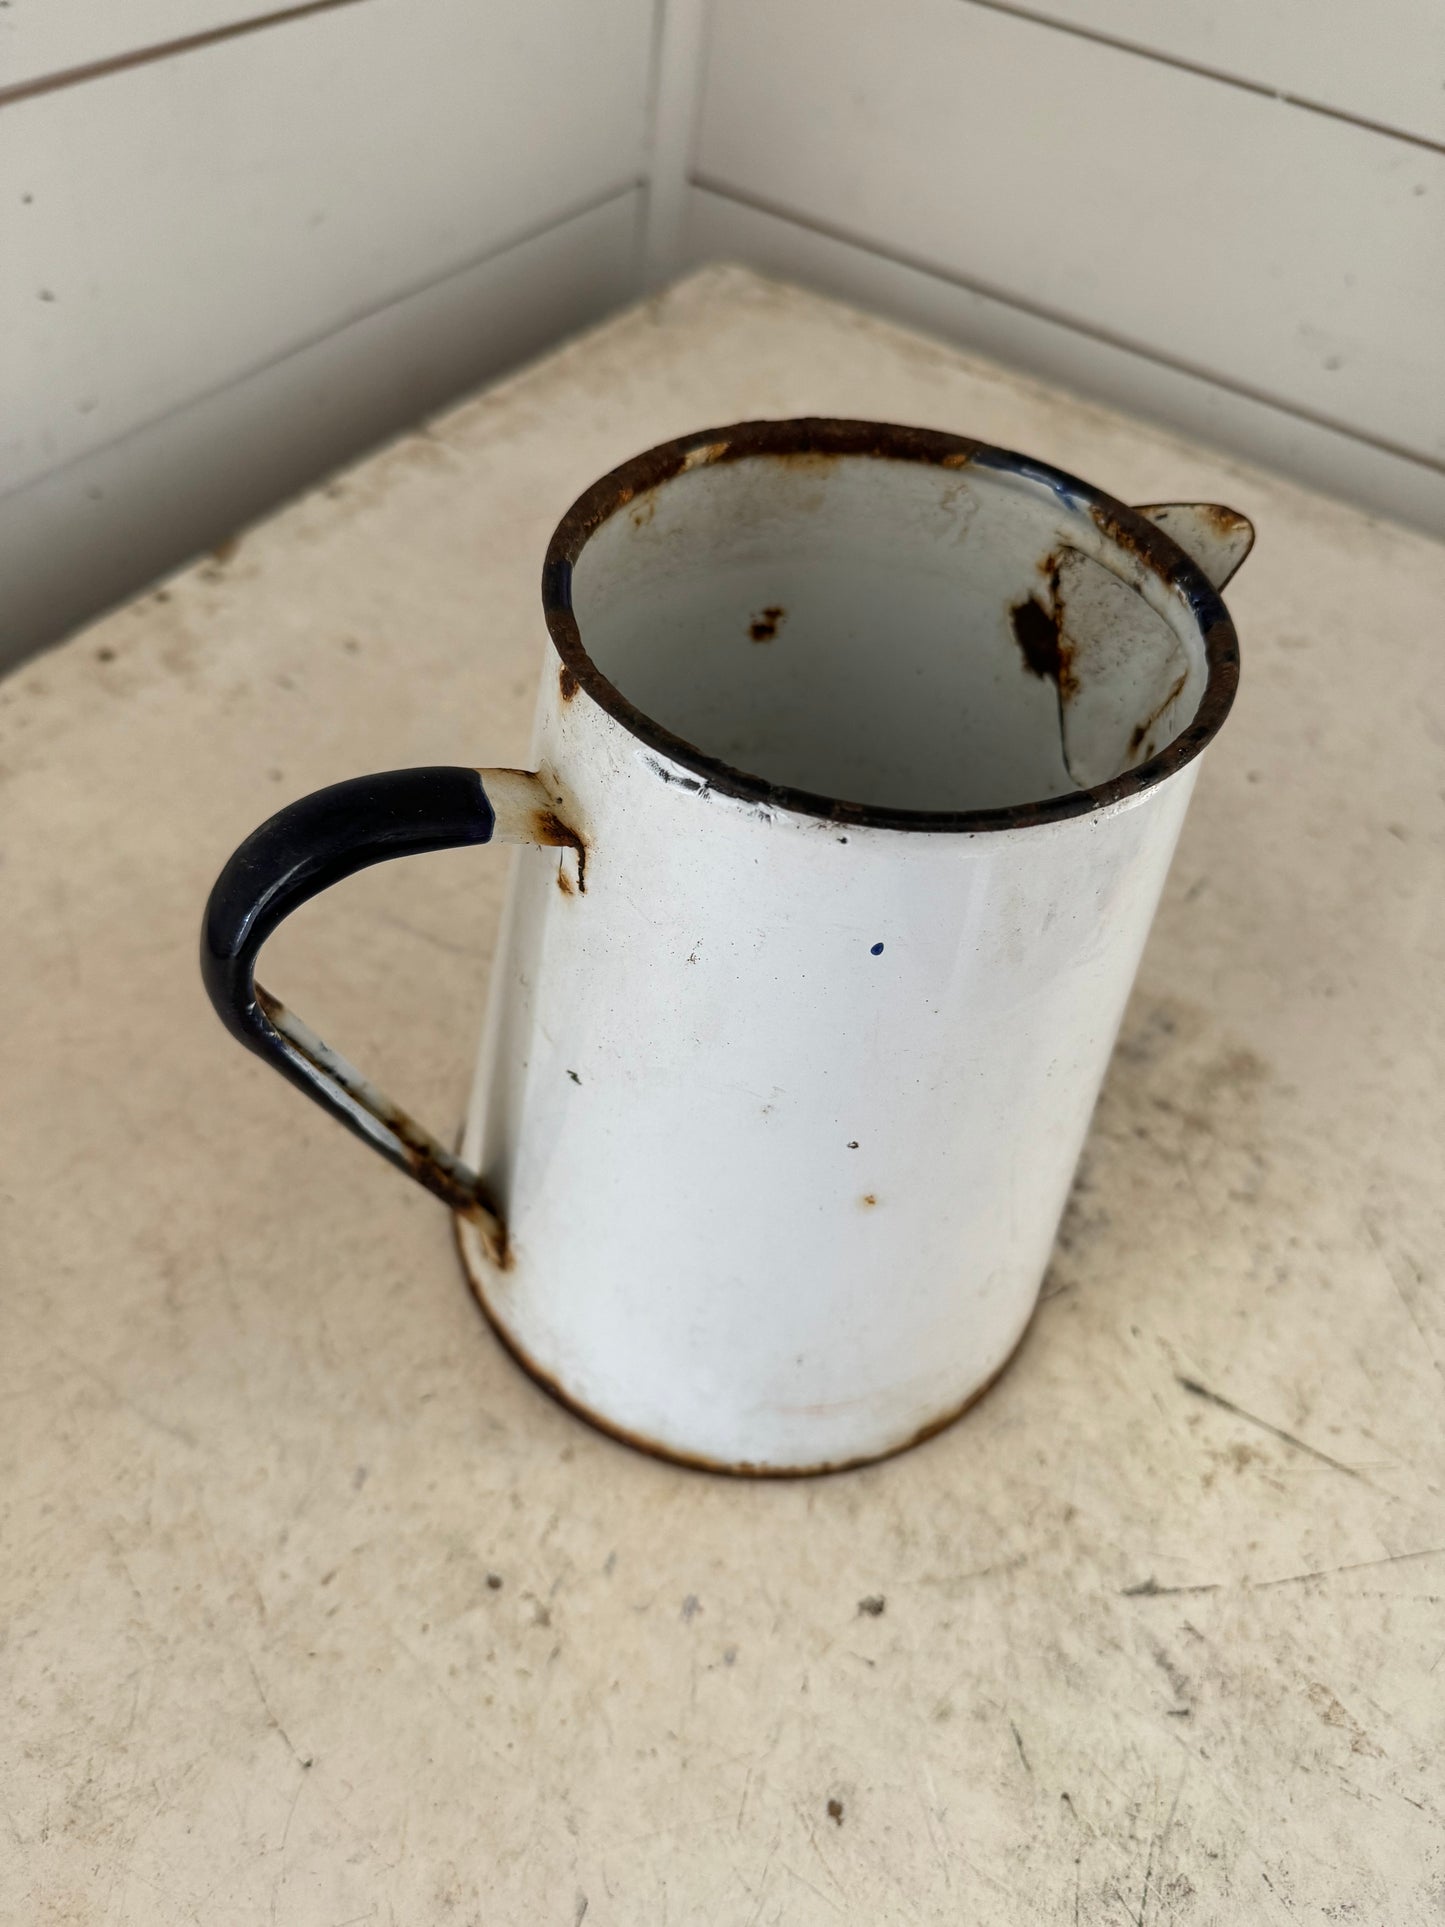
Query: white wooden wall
[240,242]
[1229,214]
[226,266]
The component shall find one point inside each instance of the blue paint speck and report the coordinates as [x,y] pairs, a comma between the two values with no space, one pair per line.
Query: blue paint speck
[876,951]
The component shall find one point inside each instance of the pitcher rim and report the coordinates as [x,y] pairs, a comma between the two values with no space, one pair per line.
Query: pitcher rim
[1123,527]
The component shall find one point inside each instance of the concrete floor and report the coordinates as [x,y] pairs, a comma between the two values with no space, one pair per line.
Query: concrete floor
[317,1611]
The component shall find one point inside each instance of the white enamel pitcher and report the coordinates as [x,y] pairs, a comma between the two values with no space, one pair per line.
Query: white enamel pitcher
[857,777]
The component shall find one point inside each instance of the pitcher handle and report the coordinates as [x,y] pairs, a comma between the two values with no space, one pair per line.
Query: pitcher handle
[301,851]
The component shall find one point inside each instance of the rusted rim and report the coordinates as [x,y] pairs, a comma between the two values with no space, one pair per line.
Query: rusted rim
[696,1462]
[885,441]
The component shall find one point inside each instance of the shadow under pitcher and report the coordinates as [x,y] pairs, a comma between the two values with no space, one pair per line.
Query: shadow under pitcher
[857,776]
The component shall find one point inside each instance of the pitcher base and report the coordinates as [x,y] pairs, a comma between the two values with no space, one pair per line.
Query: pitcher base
[475,1268]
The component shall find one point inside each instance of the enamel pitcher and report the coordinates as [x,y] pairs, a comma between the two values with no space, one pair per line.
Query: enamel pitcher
[858,770]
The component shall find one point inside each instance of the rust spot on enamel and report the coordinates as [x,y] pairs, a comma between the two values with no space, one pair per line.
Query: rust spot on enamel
[1041,643]
[1038,626]
[814,461]
[1224,521]
[1037,635]
[498,1247]
[568,683]
[765,624]
[1141,730]
[549,828]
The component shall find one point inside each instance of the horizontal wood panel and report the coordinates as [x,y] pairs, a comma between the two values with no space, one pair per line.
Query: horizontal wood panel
[1382,63]
[717,228]
[1292,255]
[168,228]
[39,38]
[100,529]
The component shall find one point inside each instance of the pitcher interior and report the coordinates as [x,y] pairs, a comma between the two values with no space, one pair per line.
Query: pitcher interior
[885,632]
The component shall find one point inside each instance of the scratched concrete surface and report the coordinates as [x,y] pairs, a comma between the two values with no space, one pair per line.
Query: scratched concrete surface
[316,1611]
